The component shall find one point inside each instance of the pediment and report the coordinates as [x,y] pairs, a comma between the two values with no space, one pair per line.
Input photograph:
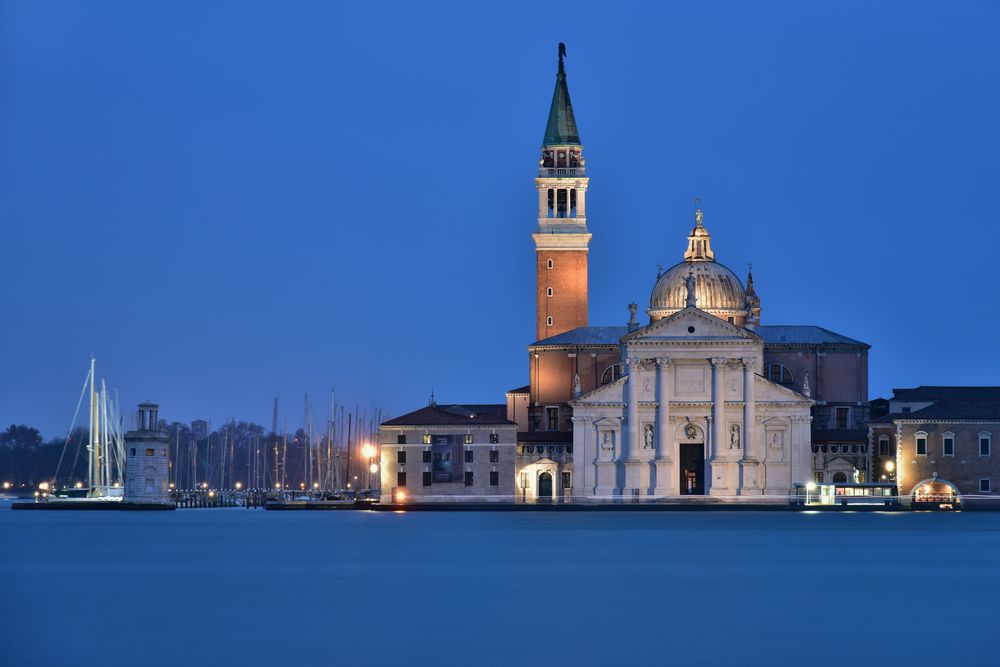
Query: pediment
[691,324]
[767,390]
[613,392]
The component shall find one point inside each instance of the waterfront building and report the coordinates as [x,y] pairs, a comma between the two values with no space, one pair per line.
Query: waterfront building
[936,442]
[682,427]
[448,452]
[147,460]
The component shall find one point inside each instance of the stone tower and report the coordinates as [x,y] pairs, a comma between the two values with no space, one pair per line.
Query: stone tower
[147,461]
[562,238]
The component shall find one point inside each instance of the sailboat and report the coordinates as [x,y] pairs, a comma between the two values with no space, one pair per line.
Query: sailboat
[105,444]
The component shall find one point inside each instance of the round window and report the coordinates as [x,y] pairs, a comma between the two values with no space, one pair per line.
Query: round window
[690,329]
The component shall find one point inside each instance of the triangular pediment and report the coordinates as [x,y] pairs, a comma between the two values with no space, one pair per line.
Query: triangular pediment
[691,324]
[613,392]
[767,390]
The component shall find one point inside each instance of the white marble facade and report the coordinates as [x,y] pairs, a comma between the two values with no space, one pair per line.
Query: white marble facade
[691,417]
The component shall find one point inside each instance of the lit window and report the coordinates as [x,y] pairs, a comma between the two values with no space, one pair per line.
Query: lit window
[921,439]
[984,444]
[948,444]
[984,486]
[427,438]
[611,373]
[468,438]
[548,320]
[778,373]
[548,292]
[550,264]
[149,452]
[494,438]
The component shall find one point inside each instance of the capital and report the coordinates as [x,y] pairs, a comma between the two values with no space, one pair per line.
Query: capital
[633,363]
[662,361]
[749,362]
[717,361]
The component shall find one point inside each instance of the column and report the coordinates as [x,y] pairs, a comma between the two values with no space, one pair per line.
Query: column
[662,464]
[630,477]
[543,202]
[716,475]
[749,467]
[581,203]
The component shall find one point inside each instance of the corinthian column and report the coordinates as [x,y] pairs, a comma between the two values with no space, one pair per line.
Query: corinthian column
[717,479]
[749,408]
[665,482]
[631,443]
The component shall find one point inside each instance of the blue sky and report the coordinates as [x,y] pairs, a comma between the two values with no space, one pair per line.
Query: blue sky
[227,200]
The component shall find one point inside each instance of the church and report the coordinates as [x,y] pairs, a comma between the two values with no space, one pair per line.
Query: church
[701,399]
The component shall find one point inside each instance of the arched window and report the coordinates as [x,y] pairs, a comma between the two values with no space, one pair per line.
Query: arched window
[839,478]
[548,320]
[548,292]
[611,374]
[550,264]
[778,373]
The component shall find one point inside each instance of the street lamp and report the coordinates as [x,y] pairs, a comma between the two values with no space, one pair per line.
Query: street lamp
[368,451]
[810,487]
[238,485]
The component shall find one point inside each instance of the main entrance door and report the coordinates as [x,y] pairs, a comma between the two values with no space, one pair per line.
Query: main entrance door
[545,487]
[692,469]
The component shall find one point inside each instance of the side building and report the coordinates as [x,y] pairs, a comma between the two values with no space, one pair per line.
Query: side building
[448,452]
[937,442]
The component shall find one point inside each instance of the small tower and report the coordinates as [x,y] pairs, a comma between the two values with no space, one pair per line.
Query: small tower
[753,302]
[562,238]
[147,460]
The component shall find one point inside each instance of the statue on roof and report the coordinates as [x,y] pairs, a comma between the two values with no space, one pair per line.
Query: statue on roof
[562,53]
[692,300]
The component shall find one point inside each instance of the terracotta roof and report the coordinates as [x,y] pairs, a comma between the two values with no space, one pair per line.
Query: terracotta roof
[450,415]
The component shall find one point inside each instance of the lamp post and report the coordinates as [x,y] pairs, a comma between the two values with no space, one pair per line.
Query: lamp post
[368,452]
[810,487]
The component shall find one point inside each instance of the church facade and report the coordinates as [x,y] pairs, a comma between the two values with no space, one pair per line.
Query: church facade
[701,399]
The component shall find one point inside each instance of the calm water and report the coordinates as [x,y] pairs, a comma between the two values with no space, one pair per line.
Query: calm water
[227,587]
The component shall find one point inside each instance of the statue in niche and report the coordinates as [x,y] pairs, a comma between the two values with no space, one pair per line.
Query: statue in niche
[690,431]
[606,440]
[775,441]
[576,385]
[734,436]
[647,436]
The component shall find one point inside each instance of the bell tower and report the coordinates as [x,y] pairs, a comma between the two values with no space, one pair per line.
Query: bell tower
[562,238]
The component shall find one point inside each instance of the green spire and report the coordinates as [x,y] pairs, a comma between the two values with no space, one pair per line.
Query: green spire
[561,128]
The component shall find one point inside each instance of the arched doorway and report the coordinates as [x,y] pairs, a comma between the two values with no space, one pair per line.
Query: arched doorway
[935,492]
[839,478]
[545,487]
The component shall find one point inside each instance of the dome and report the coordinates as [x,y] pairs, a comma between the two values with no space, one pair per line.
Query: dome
[716,288]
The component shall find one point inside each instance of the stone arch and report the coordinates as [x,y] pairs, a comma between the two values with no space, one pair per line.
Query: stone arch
[935,490]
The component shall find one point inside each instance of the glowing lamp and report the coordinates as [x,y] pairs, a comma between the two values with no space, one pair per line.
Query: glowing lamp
[368,450]
[890,465]
[810,486]
[373,468]
[400,496]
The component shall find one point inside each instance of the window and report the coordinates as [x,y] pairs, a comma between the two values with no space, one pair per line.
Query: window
[818,476]
[948,444]
[401,456]
[549,264]
[984,486]
[401,479]
[552,419]
[921,444]
[842,415]
[427,456]
[468,456]
[494,478]
[427,438]
[984,444]
[611,373]
[401,439]
[149,451]
[468,478]
[883,445]
[132,452]
[494,455]
[494,438]
[427,478]
[548,321]
[567,480]
[468,438]
[548,292]
[778,373]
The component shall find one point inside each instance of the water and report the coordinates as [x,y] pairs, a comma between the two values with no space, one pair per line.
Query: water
[238,587]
